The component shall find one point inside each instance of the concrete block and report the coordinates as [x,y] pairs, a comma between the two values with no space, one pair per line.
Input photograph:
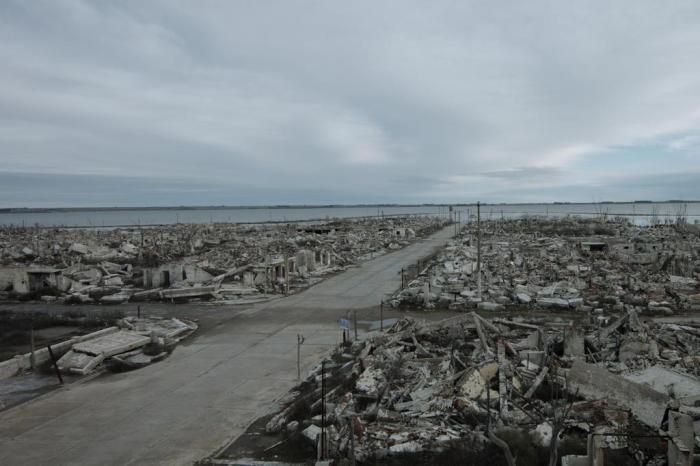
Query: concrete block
[595,382]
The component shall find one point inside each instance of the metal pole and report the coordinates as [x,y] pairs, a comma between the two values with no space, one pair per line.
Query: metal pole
[355,319]
[323,409]
[478,249]
[55,364]
[488,408]
[138,311]
[32,357]
[381,316]
[299,340]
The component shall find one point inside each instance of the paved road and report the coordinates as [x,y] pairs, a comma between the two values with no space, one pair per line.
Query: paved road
[208,391]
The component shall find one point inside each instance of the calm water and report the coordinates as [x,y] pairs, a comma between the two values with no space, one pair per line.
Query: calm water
[639,213]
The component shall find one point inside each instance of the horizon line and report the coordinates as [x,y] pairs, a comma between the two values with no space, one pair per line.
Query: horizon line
[5,210]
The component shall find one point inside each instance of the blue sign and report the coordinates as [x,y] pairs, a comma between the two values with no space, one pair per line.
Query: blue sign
[344,324]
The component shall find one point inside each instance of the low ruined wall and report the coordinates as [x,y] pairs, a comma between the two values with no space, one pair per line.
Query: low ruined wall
[594,382]
[188,273]
[15,278]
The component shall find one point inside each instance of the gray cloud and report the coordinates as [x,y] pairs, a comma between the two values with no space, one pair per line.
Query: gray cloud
[339,102]
[525,173]
[661,186]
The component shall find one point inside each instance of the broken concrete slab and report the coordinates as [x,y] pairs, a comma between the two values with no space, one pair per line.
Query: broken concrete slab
[595,382]
[79,363]
[111,344]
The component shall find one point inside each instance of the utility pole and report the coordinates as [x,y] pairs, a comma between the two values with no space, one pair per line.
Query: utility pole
[478,250]
[300,340]
[286,274]
[32,357]
[323,409]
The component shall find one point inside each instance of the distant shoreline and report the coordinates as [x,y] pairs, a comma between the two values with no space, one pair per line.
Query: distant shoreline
[29,210]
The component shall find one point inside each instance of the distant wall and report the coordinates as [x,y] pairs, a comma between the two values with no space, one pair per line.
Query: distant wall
[14,277]
[188,273]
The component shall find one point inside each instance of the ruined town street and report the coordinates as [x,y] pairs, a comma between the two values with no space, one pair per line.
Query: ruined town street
[209,390]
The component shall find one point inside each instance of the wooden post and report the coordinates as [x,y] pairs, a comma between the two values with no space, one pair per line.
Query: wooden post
[55,364]
[323,409]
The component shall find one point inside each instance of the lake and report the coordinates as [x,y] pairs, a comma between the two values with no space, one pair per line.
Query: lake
[640,213]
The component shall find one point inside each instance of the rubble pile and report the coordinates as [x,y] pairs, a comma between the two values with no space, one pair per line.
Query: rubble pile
[569,391]
[191,261]
[131,344]
[568,263]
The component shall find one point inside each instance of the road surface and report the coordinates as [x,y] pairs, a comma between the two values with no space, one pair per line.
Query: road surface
[209,390]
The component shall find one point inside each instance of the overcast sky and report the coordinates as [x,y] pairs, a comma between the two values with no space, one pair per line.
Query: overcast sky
[259,102]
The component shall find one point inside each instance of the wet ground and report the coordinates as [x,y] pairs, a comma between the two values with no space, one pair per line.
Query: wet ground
[15,390]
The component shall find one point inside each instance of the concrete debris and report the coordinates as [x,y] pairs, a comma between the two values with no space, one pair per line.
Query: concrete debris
[219,262]
[114,343]
[421,388]
[132,344]
[566,264]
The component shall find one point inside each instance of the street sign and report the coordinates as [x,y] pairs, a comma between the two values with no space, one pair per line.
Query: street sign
[344,324]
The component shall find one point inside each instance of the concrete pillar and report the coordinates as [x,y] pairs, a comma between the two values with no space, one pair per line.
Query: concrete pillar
[681,446]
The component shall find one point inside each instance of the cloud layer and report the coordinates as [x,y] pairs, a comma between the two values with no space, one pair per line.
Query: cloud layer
[332,102]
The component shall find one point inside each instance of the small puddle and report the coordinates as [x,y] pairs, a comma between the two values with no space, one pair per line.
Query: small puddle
[377,324]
